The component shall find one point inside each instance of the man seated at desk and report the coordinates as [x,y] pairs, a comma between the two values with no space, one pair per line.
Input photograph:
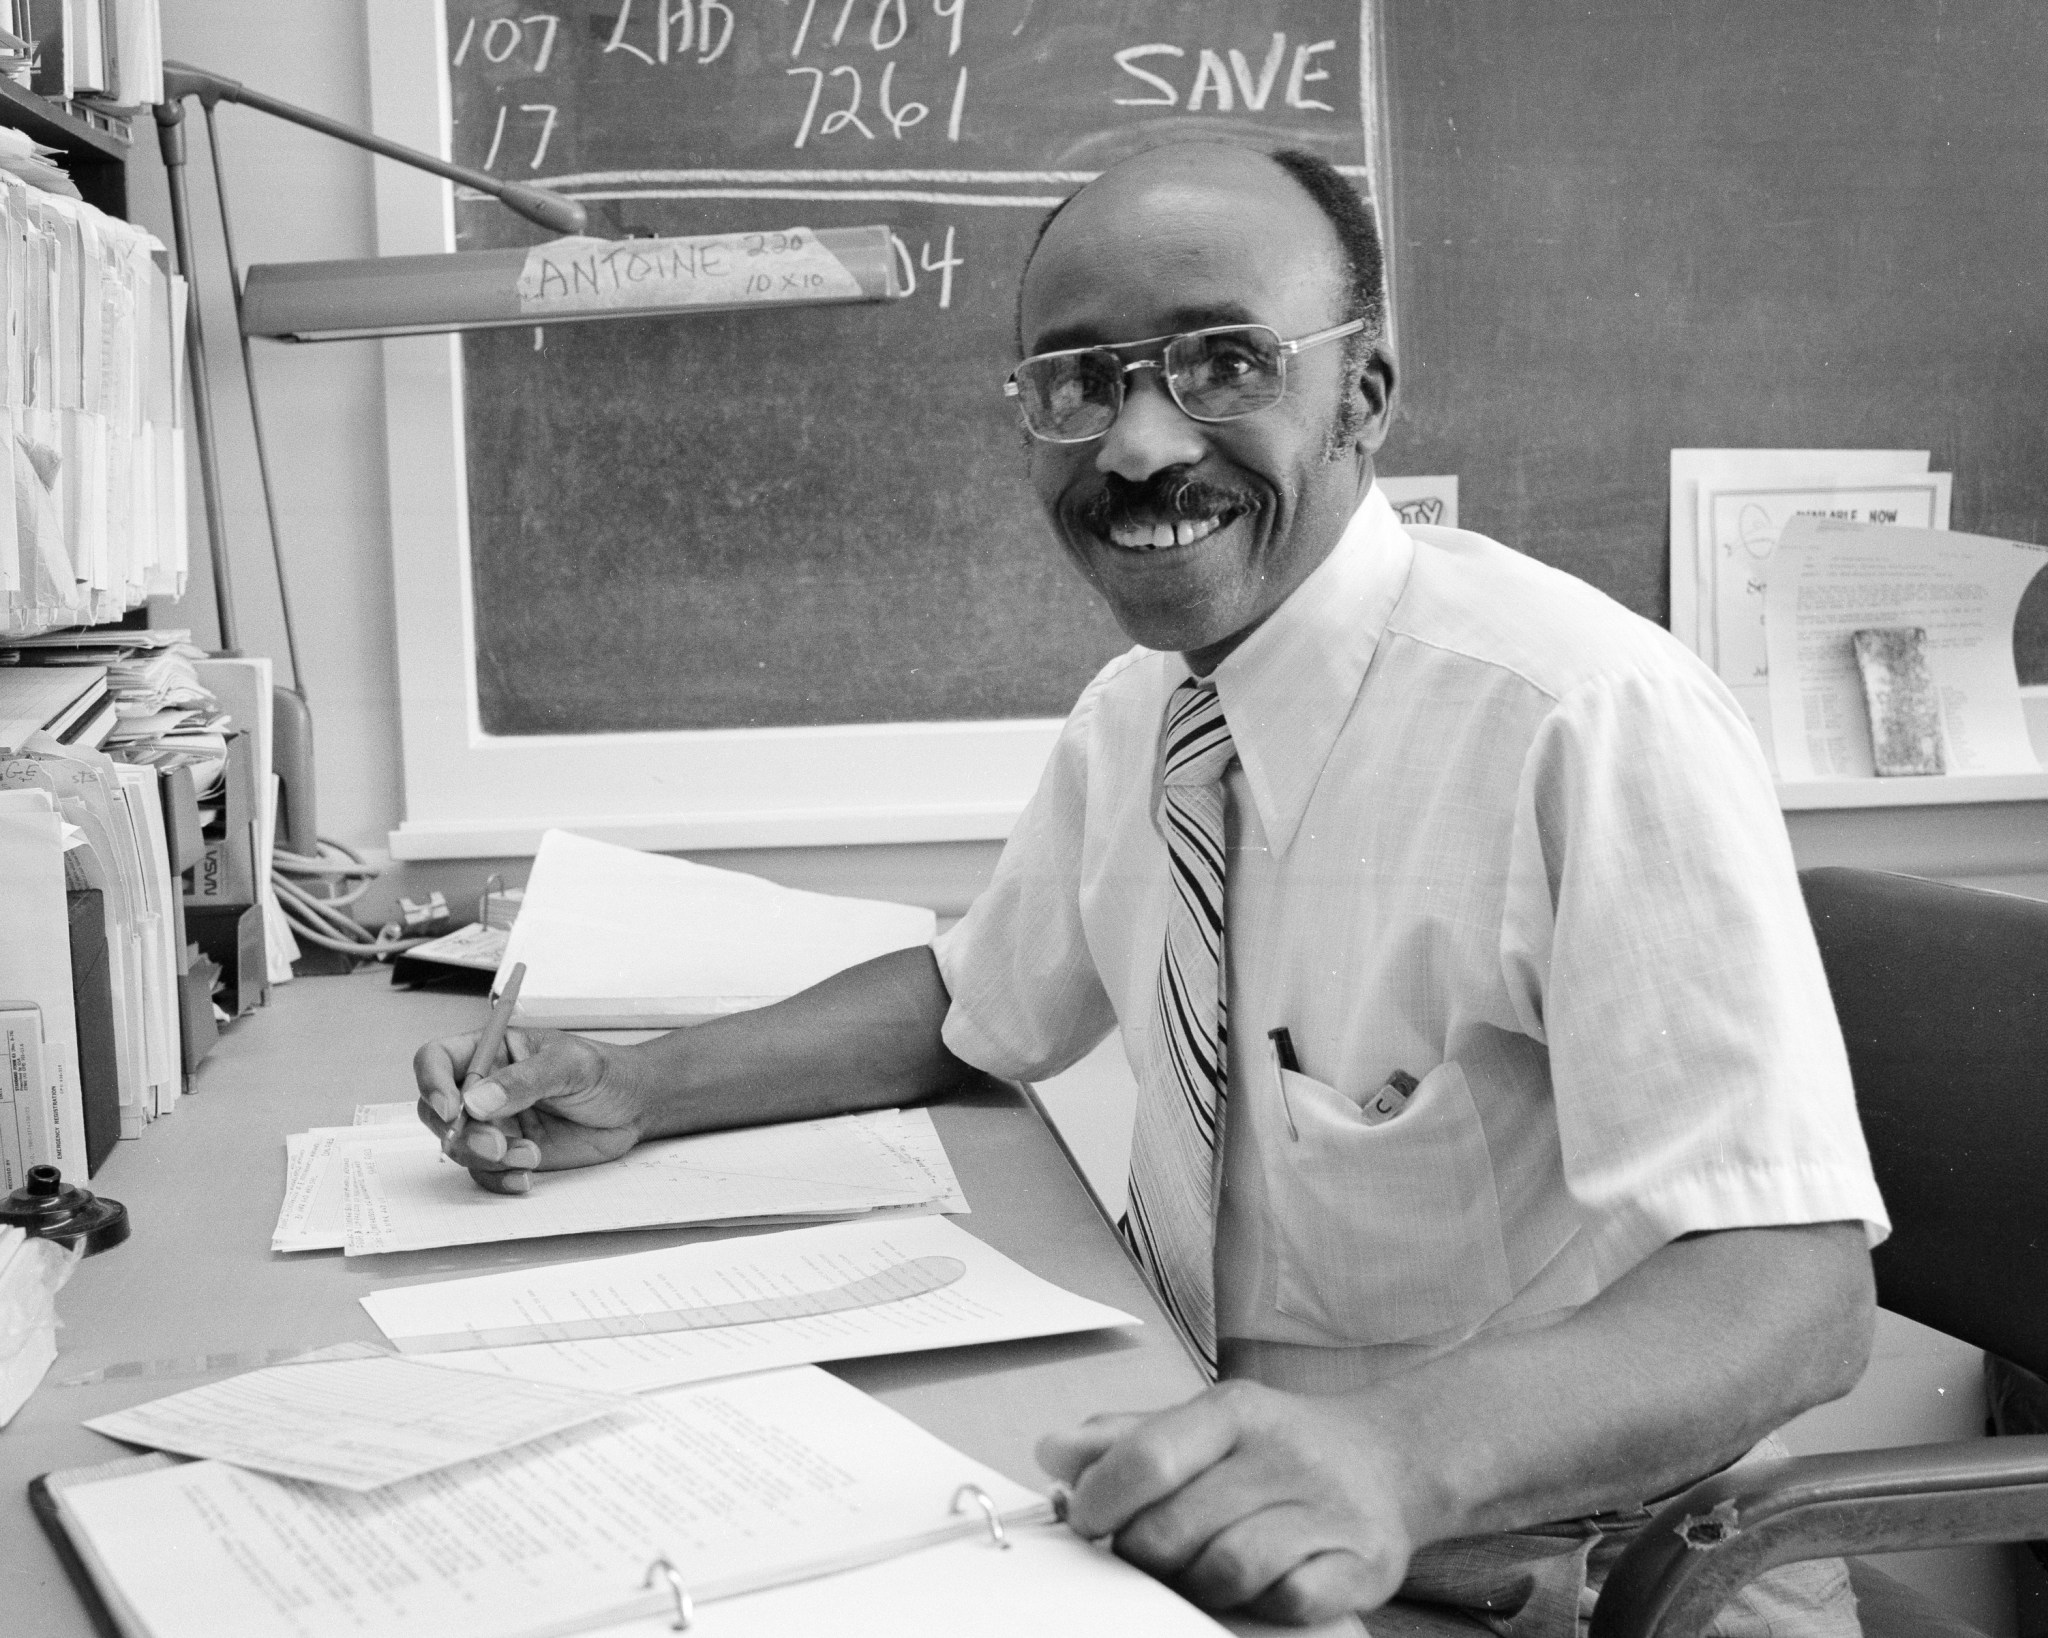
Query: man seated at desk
[1565,1205]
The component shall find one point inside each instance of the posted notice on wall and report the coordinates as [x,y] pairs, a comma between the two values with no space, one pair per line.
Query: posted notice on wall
[1832,578]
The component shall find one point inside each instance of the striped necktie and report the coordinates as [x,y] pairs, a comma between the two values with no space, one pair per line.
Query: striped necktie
[1171,1222]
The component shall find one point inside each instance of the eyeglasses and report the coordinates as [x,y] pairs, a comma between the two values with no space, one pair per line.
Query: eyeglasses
[1220,374]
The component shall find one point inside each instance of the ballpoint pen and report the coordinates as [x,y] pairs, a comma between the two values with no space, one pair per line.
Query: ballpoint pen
[484,1061]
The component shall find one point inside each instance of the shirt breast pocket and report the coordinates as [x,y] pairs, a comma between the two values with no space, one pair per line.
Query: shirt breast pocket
[1387,1232]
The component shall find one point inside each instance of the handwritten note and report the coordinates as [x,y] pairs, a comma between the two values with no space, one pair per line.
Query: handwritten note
[714,270]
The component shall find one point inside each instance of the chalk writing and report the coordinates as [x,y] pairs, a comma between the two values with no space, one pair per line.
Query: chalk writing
[1219,86]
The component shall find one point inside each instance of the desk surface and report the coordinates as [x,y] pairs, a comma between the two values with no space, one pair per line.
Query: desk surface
[198,1277]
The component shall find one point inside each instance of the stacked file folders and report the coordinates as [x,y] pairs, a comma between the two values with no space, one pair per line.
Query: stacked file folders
[90,965]
[786,1502]
[92,486]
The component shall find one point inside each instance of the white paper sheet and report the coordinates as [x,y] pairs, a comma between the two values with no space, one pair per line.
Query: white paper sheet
[313,1216]
[400,1198]
[1739,530]
[736,1483]
[1832,579]
[356,1423]
[995,1300]
[614,938]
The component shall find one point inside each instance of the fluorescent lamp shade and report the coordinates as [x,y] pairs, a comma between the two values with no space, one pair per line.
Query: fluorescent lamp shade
[569,280]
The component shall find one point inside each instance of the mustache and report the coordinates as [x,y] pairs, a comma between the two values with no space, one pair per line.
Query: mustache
[1174,495]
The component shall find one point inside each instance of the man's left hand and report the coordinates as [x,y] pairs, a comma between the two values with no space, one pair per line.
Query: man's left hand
[1244,1498]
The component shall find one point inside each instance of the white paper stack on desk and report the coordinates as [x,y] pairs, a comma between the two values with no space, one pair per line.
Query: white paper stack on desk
[378,1188]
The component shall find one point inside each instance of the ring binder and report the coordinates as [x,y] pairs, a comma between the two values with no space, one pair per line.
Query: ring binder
[980,1498]
[686,1611]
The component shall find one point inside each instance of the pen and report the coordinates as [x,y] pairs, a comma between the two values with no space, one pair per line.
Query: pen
[1285,1060]
[484,1060]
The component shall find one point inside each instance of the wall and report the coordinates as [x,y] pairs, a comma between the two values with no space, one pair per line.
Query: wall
[294,195]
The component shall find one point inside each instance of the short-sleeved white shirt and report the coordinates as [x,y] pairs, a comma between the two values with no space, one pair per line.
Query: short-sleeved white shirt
[1488,828]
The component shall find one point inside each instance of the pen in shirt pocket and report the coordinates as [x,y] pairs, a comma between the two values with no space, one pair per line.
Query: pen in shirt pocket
[1283,1061]
[1376,1110]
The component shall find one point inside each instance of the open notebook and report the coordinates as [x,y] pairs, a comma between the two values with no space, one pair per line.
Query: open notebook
[779,1503]
[614,938]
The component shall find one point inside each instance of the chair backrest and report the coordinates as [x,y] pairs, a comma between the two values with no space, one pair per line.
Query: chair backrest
[1943,997]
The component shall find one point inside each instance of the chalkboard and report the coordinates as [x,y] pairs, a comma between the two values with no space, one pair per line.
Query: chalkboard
[1625,226]
[820,516]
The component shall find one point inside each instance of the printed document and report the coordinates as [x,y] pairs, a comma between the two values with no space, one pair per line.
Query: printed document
[992,1300]
[1739,528]
[1833,579]
[1695,472]
[355,1423]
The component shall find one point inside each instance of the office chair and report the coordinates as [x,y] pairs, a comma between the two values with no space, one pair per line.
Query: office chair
[1943,996]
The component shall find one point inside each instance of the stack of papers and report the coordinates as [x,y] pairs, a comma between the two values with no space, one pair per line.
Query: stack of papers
[20,154]
[161,713]
[386,1187]
[613,938]
[1728,509]
[92,476]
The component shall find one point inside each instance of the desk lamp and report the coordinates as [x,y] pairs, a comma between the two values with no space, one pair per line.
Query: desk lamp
[405,295]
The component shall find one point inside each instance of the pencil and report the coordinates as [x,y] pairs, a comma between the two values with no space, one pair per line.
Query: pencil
[484,1060]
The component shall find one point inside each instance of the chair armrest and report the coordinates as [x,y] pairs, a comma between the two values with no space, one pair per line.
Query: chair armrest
[1701,1549]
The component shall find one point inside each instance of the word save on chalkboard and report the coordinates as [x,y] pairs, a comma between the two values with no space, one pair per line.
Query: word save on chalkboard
[815,516]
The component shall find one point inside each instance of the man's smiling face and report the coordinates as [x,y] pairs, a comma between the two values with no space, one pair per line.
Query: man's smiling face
[1194,532]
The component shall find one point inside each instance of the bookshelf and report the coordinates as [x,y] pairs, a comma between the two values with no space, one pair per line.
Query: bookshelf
[92,146]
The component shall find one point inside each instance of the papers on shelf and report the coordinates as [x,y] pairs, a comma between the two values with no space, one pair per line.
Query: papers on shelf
[993,1300]
[1833,578]
[740,1485]
[92,478]
[384,1186]
[1728,508]
[356,1423]
[614,938]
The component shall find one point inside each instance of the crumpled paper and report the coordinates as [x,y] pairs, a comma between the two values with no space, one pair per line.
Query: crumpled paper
[32,1271]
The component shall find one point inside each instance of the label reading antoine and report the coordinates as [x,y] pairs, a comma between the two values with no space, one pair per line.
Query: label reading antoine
[604,275]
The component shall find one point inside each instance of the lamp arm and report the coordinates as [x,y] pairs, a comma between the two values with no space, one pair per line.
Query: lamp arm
[538,205]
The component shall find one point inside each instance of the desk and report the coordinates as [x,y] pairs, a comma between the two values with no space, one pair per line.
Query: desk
[198,1277]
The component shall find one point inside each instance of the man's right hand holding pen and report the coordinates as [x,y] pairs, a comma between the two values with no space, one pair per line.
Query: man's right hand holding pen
[556,1105]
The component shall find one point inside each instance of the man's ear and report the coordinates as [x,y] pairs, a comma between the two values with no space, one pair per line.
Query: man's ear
[1374,403]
